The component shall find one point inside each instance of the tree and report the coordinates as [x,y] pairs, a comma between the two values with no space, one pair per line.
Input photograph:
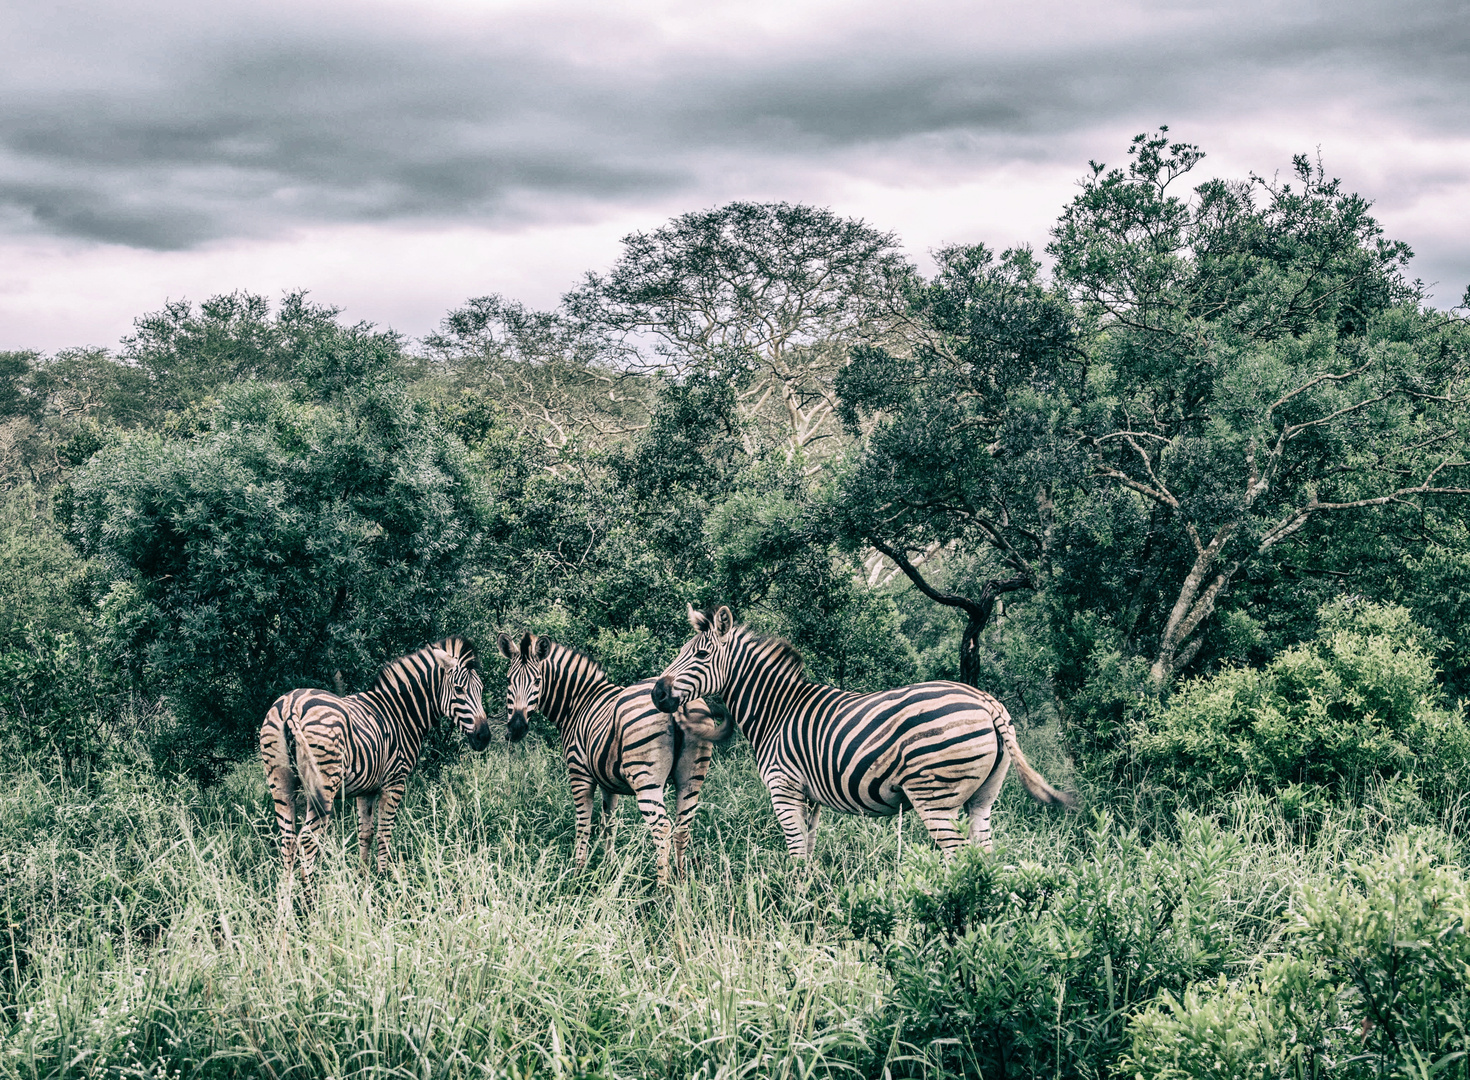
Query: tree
[965,446]
[540,369]
[767,296]
[287,540]
[187,355]
[1259,365]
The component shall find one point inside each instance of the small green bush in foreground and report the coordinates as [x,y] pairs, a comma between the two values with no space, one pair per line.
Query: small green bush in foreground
[1375,983]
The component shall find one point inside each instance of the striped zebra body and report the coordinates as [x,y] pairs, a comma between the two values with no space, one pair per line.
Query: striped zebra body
[364,745]
[614,741]
[937,746]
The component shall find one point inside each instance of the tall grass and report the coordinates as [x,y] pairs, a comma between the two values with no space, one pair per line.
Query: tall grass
[142,936]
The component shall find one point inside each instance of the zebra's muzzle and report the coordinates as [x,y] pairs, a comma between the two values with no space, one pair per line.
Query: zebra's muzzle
[517,726]
[664,698]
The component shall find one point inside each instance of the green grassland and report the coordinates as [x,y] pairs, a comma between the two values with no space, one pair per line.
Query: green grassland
[142,935]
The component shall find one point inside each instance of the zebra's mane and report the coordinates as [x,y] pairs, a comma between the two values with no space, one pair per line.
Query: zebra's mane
[455,645]
[597,670]
[782,649]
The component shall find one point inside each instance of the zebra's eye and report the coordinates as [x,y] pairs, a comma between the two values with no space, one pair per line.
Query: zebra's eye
[701,654]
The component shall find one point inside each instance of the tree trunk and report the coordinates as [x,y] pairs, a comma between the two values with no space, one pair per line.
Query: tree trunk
[977,611]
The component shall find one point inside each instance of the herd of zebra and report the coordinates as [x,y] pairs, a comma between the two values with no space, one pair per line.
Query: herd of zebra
[935,746]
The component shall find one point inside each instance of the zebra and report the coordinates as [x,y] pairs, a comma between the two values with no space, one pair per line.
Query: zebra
[937,746]
[364,745]
[613,740]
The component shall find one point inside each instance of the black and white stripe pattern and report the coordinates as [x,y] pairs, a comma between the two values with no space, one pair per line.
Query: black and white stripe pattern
[936,746]
[364,745]
[613,740]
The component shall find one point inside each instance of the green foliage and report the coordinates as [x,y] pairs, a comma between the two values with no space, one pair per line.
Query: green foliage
[286,541]
[188,354]
[1259,366]
[42,577]
[1034,970]
[1375,983]
[1359,703]
[54,694]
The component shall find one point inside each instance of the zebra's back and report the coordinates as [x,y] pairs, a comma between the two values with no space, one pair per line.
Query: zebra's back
[856,752]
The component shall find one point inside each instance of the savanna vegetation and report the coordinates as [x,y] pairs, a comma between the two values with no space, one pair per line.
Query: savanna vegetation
[1187,490]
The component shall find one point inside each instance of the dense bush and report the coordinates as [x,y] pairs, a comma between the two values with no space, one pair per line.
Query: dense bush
[1375,983]
[55,698]
[285,541]
[1358,703]
[1034,970]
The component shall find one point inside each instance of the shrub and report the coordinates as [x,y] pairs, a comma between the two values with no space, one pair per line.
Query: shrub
[289,540]
[1358,704]
[1032,971]
[1376,983]
[53,695]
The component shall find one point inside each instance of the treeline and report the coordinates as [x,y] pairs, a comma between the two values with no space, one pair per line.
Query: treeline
[1224,423]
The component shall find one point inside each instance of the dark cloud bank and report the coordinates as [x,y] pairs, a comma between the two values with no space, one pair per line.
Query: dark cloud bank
[139,129]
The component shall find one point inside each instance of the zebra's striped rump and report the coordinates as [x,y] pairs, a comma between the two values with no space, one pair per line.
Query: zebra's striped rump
[364,745]
[614,740]
[938,747]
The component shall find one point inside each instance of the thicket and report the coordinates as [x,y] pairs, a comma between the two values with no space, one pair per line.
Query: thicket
[1192,505]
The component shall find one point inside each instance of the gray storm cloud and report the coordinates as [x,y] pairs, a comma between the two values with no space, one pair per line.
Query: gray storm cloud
[158,133]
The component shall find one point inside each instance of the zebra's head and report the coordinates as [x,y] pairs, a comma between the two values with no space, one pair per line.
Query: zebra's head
[703,664]
[462,694]
[463,690]
[523,691]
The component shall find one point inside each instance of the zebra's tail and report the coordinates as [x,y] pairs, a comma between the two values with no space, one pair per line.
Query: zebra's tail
[311,777]
[1034,782]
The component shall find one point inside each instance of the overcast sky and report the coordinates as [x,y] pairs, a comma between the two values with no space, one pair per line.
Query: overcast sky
[397,158]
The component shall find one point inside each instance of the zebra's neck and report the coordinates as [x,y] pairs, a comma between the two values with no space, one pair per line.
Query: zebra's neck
[408,695]
[766,684]
[571,684]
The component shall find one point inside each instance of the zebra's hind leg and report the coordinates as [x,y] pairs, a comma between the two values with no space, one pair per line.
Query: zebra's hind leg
[980,803]
[283,795]
[310,848]
[651,805]
[936,809]
[365,829]
[609,823]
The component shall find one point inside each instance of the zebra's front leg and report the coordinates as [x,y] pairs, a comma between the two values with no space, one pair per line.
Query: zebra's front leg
[388,801]
[689,773]
[809,814]
[366,804]
[582,787]
[648,789]
[788,799]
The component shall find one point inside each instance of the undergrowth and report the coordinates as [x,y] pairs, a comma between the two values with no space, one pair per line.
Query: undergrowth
[142,936]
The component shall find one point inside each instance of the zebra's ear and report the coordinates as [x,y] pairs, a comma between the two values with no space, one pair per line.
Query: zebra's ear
[724,621]
[543,648]
[444,659]
[698,620]
[507,647]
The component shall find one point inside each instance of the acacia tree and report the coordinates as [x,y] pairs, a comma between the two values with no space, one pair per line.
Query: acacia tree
[964,431]
[1259,364]
[542,370]
[767,296]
